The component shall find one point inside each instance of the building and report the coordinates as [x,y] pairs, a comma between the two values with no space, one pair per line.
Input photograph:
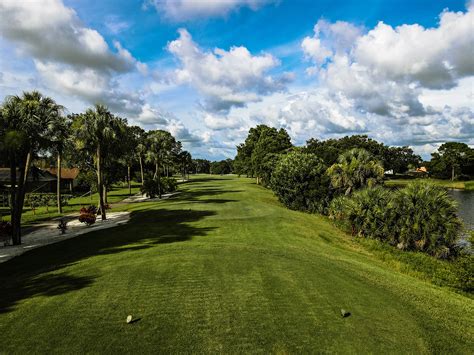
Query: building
[68,178]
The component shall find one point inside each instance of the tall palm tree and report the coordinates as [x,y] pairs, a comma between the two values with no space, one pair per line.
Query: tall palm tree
[160,144]
[60,133]
[355,168]
[27,120]
[95,129]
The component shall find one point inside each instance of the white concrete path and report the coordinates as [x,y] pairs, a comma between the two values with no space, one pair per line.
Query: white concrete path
[48,233]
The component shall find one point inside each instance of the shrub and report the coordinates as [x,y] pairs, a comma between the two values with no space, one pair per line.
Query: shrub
[420,217]
[168,184]
[367,213]
[300,182]
[88,215]
[426,219]
[151,187]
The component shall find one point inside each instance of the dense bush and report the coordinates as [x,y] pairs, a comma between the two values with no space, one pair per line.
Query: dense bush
[168,184]
[300,182]
[426,219]
[152,187]
[367,213]
[420,217]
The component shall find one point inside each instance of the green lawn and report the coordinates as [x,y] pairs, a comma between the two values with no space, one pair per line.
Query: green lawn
[223,267]
[464,185]
[117,194]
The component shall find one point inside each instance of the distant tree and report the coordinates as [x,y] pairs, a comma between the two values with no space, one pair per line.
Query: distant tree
[201,166]
[221,167]
[251,155]
[185,163]
[270,141]
[300,182]
[160,147]
[452,159]
[391,158]
[60,141]
[356,168]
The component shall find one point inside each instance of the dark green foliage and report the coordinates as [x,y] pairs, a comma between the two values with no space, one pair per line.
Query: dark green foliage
[397,159]
[452,160]
[420,217]
[426,219]
[168,184]
[269,164]
[355,169]
[150,187]
[300,182]
[366,213]
[201,166]
[260,142]
[222,167]
[154,187]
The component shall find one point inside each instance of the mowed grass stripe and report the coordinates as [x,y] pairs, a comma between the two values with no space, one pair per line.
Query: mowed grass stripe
[222,267]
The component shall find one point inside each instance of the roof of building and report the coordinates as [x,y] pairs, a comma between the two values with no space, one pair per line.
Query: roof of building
[66,173]
[34,175]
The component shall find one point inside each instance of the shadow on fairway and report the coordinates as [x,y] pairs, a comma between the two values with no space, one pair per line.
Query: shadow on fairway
[38,272]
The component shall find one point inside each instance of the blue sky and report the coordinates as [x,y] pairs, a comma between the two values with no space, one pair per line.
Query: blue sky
[399,71]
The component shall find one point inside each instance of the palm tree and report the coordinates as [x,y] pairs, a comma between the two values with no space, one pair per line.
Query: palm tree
[95,129]
[60,132]
[27,120]
[356,168]
[426,219]
[160,145]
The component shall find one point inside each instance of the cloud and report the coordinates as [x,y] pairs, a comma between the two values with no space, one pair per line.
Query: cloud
[225,78]
[50,31]
[386,70]
[115,25]
[217,122]
[329,39]
[181,10]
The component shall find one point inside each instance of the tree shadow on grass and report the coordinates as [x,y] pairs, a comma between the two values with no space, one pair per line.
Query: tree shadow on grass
[38,272]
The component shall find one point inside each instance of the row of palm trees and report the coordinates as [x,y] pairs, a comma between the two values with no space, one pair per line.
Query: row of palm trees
[33,125]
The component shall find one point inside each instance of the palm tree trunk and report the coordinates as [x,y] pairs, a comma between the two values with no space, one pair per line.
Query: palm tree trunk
[60,207]
[13,192]
[452,173]
[129,182]
[20,199]
[141,168]
[100,186]
[159,180]
[156,171]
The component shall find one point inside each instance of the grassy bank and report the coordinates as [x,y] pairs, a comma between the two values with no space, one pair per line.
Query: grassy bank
[223,267]
[462,185]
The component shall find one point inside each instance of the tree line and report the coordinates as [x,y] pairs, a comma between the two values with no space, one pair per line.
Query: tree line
[34,128]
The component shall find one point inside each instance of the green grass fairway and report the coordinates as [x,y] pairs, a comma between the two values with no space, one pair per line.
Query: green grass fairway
[222,268]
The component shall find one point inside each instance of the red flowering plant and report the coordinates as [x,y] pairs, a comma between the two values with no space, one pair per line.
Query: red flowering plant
[88,215]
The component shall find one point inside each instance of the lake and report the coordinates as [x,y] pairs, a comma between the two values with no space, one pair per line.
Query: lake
[465,200]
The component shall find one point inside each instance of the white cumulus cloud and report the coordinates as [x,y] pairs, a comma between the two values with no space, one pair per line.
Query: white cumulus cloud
[225,78]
